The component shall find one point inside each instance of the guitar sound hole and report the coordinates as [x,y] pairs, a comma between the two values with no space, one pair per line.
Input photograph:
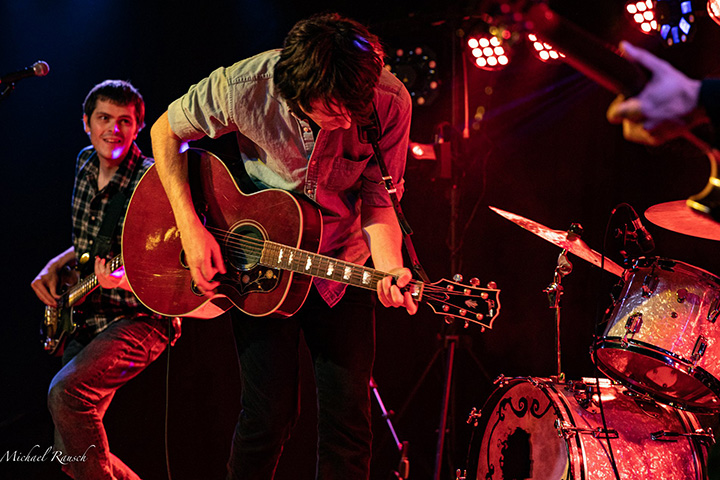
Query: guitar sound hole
[243,247]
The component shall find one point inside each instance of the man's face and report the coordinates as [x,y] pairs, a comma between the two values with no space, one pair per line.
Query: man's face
[329,117]
[112,129]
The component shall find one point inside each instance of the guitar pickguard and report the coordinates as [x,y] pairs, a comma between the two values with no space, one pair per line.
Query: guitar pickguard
[258,279]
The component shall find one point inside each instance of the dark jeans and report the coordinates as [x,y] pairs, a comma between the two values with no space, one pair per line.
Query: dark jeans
[341,341]
[82,390]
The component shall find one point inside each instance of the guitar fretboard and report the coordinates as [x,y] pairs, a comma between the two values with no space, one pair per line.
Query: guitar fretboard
[89,283]
[275,255]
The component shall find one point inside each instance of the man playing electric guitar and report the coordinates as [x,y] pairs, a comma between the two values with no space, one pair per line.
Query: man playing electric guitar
[123,337]
[296,113]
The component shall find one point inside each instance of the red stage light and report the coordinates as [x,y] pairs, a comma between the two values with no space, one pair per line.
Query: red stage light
[643,13]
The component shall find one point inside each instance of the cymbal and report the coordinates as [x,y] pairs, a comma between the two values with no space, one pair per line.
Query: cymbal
[678,217]
[558,237]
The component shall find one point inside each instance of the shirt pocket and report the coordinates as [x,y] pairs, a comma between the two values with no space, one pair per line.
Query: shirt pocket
[345,173]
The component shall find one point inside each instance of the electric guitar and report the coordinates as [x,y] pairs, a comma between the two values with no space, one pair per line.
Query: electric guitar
[603,64]
[58,323]
[269,241]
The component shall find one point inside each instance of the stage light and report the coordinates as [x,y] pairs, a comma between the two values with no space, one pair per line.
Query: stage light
[417,69]
[488,51]
[713,8]
[675,20]
[422,151]
[643,13]
[543,51]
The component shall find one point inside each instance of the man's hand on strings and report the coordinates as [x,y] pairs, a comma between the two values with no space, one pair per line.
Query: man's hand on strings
[203,257]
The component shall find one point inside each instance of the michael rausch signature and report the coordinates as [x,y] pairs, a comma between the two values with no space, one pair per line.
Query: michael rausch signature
[37,455]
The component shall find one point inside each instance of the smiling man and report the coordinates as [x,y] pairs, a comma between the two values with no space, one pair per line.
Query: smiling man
[117,337]
[298,113]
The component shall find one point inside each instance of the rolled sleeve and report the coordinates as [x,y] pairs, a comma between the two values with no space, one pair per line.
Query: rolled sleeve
[204,109]
[395,122]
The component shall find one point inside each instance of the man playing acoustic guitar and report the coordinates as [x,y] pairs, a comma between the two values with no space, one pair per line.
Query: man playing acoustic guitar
[298,113]
[121,337]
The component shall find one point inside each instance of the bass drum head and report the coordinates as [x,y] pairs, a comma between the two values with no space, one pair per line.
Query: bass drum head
[516,437]
[546,430]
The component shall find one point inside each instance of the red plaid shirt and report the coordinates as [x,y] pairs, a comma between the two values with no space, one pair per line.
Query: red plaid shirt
[89,206]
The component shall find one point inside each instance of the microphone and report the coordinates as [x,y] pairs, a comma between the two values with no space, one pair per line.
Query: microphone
[38,69]
[644,239]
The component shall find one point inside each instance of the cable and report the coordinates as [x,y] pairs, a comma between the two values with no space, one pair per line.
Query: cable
[598,322]
[167,397]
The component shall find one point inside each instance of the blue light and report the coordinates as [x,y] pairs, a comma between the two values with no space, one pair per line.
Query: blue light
[675,35]
[685,26]
[664,30]
[686,7]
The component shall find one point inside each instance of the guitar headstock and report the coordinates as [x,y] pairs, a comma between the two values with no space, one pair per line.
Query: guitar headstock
[466,303]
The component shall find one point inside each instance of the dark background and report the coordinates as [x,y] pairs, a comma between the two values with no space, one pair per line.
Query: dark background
[543,149]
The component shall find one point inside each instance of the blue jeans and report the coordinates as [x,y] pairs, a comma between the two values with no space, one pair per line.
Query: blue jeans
[341,341]
[82,390]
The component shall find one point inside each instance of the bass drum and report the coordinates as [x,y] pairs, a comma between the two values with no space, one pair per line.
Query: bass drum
[534,428]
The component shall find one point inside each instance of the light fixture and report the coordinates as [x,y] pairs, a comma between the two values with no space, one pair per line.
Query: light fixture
[417,69]
[675,20]
[542,50]
[713,8]
[643,14]
[488,51]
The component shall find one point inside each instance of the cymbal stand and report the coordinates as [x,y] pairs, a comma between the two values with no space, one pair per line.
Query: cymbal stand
[555,292]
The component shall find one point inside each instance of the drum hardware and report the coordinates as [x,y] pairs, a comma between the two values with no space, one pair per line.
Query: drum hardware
[460,474]
[698,350]
[704,436]
[714,310]
[474,417]
[567,430]
[554,291]
[632,326]
[650,283]
[682,295]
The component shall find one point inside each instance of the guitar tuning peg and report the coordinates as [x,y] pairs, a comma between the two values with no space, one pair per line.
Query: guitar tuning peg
[448,319]
[474,281]
[457,277]
[466,324]
[492,285]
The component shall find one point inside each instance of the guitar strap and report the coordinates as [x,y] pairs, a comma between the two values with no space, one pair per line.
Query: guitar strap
[371,134]
[103,241]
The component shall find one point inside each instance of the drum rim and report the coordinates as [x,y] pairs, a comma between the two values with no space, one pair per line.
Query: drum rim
[654,260]
[669,358]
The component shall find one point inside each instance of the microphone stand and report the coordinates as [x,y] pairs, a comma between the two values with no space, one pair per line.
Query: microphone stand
[403,470]
[6,92]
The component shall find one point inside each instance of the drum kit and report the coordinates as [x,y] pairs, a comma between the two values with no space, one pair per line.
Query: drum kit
[659,358]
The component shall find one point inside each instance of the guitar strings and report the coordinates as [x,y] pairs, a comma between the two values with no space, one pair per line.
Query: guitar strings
[239,243]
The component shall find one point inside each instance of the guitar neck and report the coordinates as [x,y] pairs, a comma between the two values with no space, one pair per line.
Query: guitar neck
[85,286]
[275,255]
